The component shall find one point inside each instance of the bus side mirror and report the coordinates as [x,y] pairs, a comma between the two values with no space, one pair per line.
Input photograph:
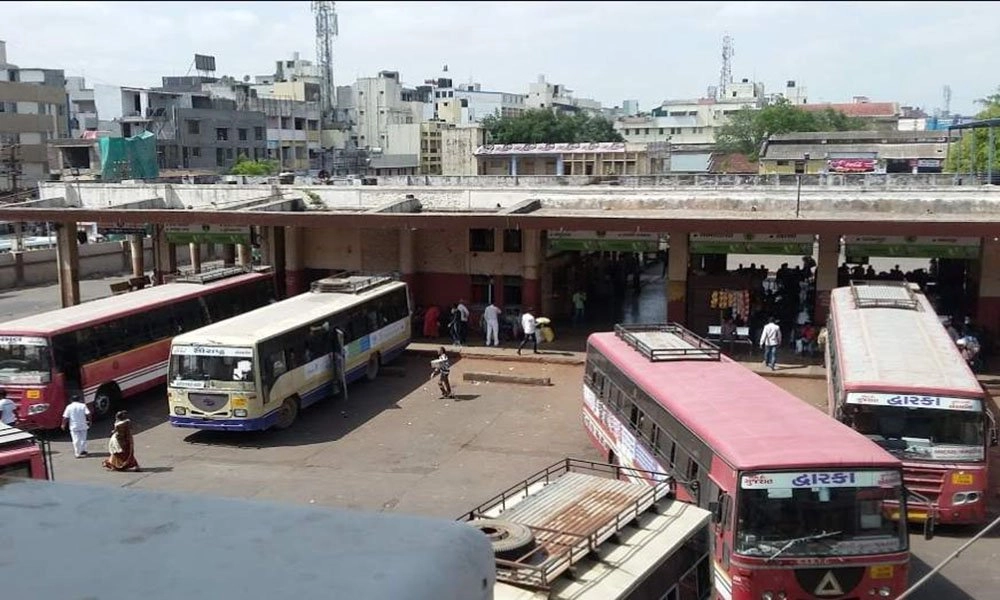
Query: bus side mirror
[716,509]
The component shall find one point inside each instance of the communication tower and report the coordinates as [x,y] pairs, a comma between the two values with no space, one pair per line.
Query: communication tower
[947,100]
[326,31]
[726,76]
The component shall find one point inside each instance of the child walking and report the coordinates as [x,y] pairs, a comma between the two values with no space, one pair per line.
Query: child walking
[442,367]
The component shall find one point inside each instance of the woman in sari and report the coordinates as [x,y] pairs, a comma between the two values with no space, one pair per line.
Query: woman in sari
[121,446]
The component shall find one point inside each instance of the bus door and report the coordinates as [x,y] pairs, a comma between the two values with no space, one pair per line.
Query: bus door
[722,525]
[340,361]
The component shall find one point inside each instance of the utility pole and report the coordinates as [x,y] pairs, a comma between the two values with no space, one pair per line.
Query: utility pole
[12,166]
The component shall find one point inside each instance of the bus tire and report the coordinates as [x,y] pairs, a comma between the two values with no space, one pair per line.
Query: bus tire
[374,365]
[105,400]
[510,540]
[287,414]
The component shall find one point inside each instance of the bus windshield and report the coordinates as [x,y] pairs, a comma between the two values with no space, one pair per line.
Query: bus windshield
[24,360]
[234,370]
[924,434]
[819,514]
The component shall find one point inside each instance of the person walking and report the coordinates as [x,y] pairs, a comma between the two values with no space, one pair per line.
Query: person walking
[8,410]
[579,303]
[770,339]
[463,320]
[76,418]
[530,328]
[454,325]
[121,445]
[442,368]
[491,315]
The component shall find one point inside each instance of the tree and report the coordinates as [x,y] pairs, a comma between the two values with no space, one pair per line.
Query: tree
[960,155]
[748,129]
[260,168]
[540,126]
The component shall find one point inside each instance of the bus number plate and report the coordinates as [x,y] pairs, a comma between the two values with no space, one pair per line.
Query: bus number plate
[881,572]
[961,478]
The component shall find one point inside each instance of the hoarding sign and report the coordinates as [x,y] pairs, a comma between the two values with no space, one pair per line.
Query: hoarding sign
[851,165]
[610,241]
[859,247]
[207,234]
[749,243]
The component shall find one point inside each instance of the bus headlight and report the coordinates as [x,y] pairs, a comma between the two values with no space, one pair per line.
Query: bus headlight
[884,591]
[240,412]
[180,411]
[964,497]
[768,595]
[37,409]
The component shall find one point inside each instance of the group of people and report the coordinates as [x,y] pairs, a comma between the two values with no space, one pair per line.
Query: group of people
[77,419]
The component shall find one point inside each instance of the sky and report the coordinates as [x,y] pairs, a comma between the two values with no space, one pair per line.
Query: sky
[610,51]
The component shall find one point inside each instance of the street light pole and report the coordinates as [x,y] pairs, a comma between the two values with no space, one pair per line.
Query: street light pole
[798,183]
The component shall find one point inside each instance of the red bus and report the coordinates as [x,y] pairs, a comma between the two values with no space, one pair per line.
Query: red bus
[114,347]
[23,455]
[894,374]
[798,499]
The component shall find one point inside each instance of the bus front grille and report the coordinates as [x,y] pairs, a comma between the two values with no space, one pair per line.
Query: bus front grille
[926,482]
[209,403]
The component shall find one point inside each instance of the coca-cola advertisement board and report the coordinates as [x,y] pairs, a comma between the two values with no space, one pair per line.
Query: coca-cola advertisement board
[851,165]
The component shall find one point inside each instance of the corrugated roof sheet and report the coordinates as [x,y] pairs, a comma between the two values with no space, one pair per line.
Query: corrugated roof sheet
[562,148]
[819,151]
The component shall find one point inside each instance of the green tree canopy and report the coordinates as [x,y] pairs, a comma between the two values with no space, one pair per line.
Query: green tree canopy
[540,126]
[748,129]
[960,156]
[245,166]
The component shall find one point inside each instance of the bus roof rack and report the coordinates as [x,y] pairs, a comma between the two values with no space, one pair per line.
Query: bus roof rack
[884,294]
[211,275]
[666,341]
[351,282]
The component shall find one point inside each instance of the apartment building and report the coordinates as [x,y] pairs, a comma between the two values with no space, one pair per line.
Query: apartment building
[33,110]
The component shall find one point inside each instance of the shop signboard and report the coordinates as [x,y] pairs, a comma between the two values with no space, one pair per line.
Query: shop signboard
[858,248]
[607,241]
[122,228]
[751,243]
[851,165]
[207,234]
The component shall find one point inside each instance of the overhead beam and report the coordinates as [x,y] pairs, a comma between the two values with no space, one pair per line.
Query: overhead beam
[56,202]
[678,220]
[294,205]
[409,204]
[147,204]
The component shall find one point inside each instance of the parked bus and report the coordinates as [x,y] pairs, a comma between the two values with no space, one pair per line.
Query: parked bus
[894,374]
[258,370]
[798,499]
[23,455]
[114,347]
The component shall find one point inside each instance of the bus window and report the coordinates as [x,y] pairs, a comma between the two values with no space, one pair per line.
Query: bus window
[25,362]
[276,364]
[18,469]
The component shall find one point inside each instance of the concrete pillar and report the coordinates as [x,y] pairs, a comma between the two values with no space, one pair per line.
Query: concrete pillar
[68,263]
[18,268]
[195,250]
[826,275]
[295,276]
[531,289]
[243,255]
[513,165]
[171,258]
[228,255]
[988,305]
[407,259]
[138,254]
[677,272]
[162,253]
[560,166]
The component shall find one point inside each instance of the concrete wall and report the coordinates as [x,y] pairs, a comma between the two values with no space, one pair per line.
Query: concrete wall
[96,260]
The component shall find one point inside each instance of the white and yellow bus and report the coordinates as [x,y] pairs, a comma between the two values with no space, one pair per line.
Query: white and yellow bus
[259,369]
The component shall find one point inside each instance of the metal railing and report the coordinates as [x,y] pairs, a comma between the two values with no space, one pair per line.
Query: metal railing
[696,346]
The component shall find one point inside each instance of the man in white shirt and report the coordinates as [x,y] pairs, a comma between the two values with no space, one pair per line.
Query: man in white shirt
[770,339]
[530,328]
[463,320]
[8,414]
[76,418]
[491,315]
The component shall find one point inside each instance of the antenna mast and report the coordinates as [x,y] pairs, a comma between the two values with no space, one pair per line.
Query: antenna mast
[726,76]
[947,100]
[326,31]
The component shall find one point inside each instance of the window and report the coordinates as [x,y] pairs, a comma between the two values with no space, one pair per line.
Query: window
[222,134]
[258,133]
[193,127]
[482,289]
[512,285]
[196,151]
[242,134]
[481,240]
[511,240]
[661,131]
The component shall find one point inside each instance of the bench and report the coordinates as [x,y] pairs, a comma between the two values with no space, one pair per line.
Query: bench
[741,337]
[121,287]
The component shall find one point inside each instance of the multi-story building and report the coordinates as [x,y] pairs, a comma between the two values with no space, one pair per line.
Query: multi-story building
[468,103]
[691,122]
[855,152]
[82,108]
[559,98]
[33,110]
[598,159]
[382,101]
